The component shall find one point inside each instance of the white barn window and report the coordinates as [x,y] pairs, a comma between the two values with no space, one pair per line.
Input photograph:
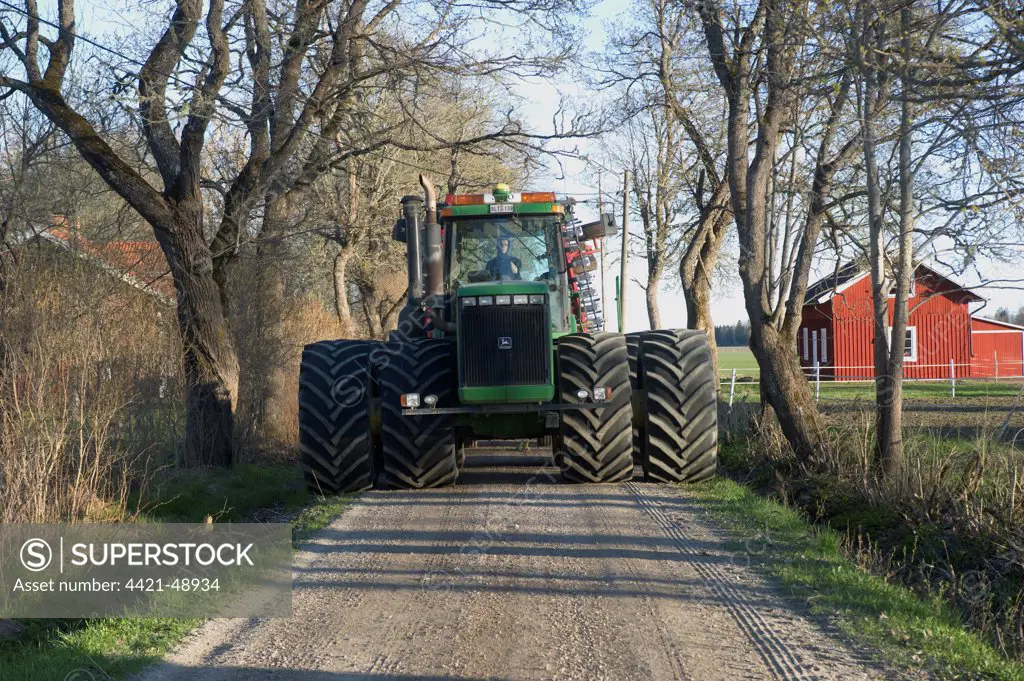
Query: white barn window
[909,343]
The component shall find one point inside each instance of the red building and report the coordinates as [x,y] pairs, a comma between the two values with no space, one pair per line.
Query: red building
[998,348]
[837,330]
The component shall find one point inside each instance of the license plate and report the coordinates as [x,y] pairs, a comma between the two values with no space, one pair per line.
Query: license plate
[501,207]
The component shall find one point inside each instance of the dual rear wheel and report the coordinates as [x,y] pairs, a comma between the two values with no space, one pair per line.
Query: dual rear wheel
[660,411]
[662,414]
[352,433]
[675,434]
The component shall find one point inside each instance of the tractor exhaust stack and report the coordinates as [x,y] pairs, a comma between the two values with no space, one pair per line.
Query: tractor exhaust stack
[435,247]
[412,207]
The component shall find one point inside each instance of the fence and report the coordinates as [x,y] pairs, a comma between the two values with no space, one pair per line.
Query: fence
[1003,380]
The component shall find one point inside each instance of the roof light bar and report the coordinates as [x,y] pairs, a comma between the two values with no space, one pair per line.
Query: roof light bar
[506,197]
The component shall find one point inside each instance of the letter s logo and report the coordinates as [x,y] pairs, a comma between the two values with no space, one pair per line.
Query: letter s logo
[36,555]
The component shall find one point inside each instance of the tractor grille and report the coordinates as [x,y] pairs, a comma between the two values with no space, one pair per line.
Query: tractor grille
[481,332]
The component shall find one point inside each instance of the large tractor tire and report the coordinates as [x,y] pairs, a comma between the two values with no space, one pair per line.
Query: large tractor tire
[679,435]
[335,439]
[633,352]
[596,443]
[418,451]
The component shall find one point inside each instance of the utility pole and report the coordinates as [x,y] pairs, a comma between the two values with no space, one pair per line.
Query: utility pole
[600,213]
[625,252]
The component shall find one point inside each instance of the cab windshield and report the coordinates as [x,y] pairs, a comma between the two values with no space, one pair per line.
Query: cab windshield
[505,249]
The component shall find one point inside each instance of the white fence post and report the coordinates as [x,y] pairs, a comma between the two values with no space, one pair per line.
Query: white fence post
[952,377]
[817,382]
[732,388]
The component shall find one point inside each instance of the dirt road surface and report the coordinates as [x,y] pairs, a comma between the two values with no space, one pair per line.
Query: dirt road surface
[512,576]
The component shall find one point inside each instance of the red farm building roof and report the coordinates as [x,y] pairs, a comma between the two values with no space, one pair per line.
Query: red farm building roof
[140,264]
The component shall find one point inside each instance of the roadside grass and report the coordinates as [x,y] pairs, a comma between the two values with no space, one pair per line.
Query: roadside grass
[227,495]
[112,649]
[906,629]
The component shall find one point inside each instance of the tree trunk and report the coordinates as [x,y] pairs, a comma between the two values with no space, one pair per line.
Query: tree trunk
[368,301]
[341,306]
[786,389]
[209,359]
[698,264]
[653,315]
[697,294]
[889,448]
[879,279]
[266,371]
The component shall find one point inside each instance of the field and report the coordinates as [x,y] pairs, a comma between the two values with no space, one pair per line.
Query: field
[968,391]
[739,358]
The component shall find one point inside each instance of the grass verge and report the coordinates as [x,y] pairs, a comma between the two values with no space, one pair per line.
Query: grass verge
[909,631]
[112,649]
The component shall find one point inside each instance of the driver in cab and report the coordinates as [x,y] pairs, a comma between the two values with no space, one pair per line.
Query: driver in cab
[503,265]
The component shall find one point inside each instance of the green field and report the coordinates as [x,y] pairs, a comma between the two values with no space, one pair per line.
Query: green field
[933,391]
[741,359]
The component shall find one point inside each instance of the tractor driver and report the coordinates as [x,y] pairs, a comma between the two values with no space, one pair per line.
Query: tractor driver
[503,265]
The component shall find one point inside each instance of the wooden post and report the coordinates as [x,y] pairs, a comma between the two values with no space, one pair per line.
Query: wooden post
[995,358]
[1013,496]
[952,378]
[600,213]
[732,388]
[624,265]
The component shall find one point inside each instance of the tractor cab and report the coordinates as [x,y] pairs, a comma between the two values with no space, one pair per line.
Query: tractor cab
[502,239]
[511,262]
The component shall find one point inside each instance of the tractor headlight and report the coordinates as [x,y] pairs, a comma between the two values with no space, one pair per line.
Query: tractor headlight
[502,300]
[430,400]
[485,300]
[410,400]
[469,301]
[520,299]
[537,299]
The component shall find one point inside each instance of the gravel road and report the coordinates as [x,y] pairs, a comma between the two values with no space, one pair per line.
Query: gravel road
[511,575]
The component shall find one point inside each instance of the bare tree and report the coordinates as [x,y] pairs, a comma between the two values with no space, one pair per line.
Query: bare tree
[771,70]
[932,90]
[653,67]
[653,154]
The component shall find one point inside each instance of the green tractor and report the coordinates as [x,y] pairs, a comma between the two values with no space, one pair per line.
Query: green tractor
[501,339]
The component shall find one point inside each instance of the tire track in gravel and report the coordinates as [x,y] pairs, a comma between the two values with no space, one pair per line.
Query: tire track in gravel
[758,626]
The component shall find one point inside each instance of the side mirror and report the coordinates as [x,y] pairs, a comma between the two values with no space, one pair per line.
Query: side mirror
[610,228]
[600,229]
[400,231]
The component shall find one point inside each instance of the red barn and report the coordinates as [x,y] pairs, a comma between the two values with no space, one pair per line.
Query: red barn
[998,348]
[837,329]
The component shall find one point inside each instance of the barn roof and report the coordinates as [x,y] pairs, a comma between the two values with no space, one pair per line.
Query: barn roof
[849,274]
[140,264]
[998,322]
[826,287]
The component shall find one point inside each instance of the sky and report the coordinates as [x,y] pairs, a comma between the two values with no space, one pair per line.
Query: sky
[541,97]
